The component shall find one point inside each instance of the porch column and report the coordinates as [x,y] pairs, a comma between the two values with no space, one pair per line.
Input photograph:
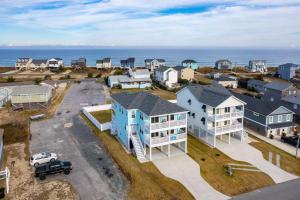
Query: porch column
[150,155]
[162,148]
[185,147]
[214,141]
[169,150]
[229,138]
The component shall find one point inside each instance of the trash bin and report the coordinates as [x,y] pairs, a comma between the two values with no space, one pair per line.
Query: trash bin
[2,193]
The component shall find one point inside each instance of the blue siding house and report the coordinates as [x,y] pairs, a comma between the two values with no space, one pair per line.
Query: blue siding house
[143,122]
[190,64]
[288,71]
[128,63]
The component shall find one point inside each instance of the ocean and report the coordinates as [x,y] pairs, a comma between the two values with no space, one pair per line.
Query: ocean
[205,57]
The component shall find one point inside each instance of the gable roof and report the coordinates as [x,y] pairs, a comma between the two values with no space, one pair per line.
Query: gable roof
[223,60]
[39,61]
[189,61]
[275,85]
[163,68]
[258,105]
[159,60]
[224,78]
[289,65]
[30,90]
[148,103]
[179,68]
[212,95]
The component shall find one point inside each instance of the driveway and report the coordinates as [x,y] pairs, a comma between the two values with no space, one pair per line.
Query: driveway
[185,170]
[95,176]
[244,152]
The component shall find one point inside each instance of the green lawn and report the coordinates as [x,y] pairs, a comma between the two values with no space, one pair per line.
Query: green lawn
[212,167]
[287,162]
[102,116]
[203,80]
[146,181]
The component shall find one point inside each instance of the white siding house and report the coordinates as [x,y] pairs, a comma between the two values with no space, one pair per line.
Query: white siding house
[213,113]
[166,76]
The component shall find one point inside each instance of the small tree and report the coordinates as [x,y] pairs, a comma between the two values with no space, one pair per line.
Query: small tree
[11,79]
[118,72]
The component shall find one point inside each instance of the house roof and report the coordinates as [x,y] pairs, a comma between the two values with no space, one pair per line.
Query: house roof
[281,125]
[127,79]
[39,61]
[212,95]
[30,90]
[159,60]
[223,60]
[189,61]
[257,61]
[140,71]
[289,65]
[148,103]
[256,82]
[179,68]
[257,105]
[224,78]
[275,85]
[292,99]
[104,60]
[163,68]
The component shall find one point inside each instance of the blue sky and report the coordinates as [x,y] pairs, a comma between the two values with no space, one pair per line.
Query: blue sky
[196,23]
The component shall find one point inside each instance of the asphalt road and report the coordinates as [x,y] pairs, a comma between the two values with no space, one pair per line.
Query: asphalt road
[95,176]
[284,191]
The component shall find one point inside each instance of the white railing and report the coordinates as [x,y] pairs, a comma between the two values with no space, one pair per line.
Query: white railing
[215,117]
[155,126]
[158,140]
[177,123]
[178,136]
[226,129]
[171,138]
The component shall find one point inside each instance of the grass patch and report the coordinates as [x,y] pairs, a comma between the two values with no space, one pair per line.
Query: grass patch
[146,181]
[203,80]
[102,116]
[168,95]
[287,162]
[212,166]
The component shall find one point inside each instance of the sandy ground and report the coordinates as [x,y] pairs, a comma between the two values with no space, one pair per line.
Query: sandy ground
[23,184]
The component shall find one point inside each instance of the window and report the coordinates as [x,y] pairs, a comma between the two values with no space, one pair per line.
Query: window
[194,115]
[154,120]
[279,118]
[172,117]
[189,113]
[155,134]
[227,109]
[190,101]
[288,117]
[204,108]
[271,119]
[172,131]
[203,120]
[226,122]
[133,114]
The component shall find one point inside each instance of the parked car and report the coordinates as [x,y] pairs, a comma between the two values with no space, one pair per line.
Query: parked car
[292,140]
[53,168]
[41,158]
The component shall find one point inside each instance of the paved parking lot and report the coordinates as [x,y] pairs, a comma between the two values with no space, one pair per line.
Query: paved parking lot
[95,176]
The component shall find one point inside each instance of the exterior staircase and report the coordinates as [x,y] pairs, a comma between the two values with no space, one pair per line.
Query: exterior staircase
[138,148]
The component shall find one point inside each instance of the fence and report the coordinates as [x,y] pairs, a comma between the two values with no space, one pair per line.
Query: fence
[87,112]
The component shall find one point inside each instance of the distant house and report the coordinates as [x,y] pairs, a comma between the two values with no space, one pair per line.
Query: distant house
[55,63]
[226,81]
[5,95]
[23,63]
[275,91]
[267,118]
[184,73]
[166,76]
[152,64]
[79,63]
[136,78]
[190,64]
[292,102]
[223,64]
[143,123]
[214,75]
[288,71]
[214,113]
[257,85]
[31,96]
[38,64]
[257,66]
[128,63]
[104,63]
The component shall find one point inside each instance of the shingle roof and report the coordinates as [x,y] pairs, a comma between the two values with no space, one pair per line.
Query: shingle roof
[279,125]
[127,79]
[292,99]
[212,95]
[162,68]
[223,60]
[256,82]
[275,85]
[189,61]
[148,103]
[30,89]
[257,105]
[289,65]
[159,60]
[39,61]
[224,78]
[179,68]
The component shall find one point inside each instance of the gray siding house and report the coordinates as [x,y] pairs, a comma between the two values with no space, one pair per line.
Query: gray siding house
[275,91]
[257,85]
[223,64]
[266,118]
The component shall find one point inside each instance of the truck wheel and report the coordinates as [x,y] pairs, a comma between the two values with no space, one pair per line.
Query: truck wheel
[36,164]
[52,160]
[42,177]
[66,172]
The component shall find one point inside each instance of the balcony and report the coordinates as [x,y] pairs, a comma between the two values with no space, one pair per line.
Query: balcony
[235,114]
[158,140]
[226,129]
[167,124]
[171,138]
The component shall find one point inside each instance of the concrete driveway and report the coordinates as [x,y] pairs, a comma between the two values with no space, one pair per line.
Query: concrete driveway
[244,152]
[95,176]
[185,170]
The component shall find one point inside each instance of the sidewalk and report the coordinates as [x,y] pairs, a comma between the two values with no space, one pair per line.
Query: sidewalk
[283,146]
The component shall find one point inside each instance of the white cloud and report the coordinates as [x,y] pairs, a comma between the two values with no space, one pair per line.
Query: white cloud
[137,22]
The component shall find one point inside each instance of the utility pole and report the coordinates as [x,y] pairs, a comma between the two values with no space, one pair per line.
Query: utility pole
[297,144]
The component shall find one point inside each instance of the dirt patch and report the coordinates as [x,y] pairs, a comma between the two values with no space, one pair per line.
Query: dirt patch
[23,184]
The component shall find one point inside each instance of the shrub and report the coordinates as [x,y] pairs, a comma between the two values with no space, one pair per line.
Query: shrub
[98,75]
[37,81]
[183,81]
[118,72]
[47,77]
[90,75]
[11,79]
[271,137]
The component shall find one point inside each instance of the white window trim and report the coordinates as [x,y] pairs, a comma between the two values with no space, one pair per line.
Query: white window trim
[279,118]
[270,119]
[288,117]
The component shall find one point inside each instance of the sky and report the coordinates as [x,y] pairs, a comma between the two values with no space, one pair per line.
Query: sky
[142,23]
